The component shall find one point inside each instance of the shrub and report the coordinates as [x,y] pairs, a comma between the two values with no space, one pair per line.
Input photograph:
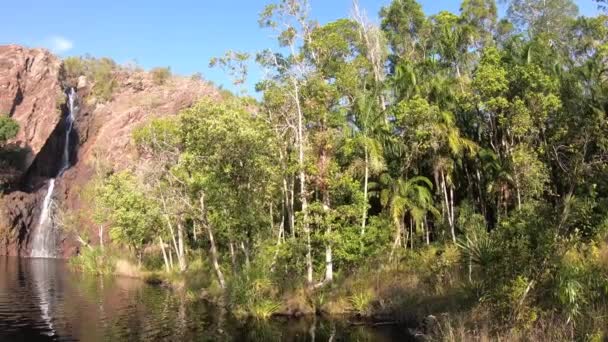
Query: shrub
[101,71]
[160,75]
[74,67]
[197,76]
[103,76]
[361,301]
[94,260]
[8,129]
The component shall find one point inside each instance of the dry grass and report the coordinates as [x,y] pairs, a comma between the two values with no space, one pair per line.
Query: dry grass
[125,268]
[415,286]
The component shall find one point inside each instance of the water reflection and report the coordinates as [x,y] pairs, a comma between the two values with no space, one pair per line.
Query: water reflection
[44,276]
[42,300]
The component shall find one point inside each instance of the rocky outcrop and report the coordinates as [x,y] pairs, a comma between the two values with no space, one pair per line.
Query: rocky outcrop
[31,92]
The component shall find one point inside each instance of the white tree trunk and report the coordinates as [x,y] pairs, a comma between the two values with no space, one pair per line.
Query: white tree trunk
[165,258]
[182,254]
[177,243]
[232,256]
[449,205]
[365,185]
[303,195]
[214,257]
[329,264]
[214,254]
[427,231]
[292,216]
[246,253]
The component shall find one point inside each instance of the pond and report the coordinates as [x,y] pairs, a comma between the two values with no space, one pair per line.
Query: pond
[44,300]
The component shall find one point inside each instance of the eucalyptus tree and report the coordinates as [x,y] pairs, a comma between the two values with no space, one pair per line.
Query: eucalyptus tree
[229,164]
[159,145]
[542,16]
[406,29]
[481,16]
[289,20]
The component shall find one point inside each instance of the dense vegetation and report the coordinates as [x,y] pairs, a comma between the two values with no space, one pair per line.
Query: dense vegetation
[451,163]
[8,130]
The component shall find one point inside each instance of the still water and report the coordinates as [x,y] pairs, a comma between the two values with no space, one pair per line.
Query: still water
[43,300]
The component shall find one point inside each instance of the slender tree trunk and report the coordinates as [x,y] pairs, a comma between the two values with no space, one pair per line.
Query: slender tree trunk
[170,257]
[452,217]
[329,265]
[232,256]
[449,205]
[412,233]
[292,216]
[517,189]
[428,233]
[397,240]
[175,245]
[214,254]
[470,269]
[365,185]
[303,192]
[482,200]
[162,248]
[271,214]
[182,255]
[498,205]
[246,253]
[214,257]
[406,235]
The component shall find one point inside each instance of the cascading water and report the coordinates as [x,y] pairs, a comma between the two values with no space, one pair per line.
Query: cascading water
[44,243]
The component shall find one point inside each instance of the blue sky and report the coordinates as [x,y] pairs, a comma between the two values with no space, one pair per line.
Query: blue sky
[182,34]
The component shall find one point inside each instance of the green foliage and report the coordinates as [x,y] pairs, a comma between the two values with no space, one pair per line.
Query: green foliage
[253,290]
[74,66]
[134,217]
[361,301]
[8,129]
[100,71]
[497,137]
[94,260]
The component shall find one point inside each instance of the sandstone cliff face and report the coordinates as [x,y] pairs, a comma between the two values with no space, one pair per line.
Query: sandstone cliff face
[32,91]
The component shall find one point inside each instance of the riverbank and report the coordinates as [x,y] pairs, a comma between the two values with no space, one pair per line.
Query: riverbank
[428,291]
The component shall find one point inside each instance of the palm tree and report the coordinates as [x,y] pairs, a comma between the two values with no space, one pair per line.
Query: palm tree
[403,196]
[500,180]
[450,148]
[368,125]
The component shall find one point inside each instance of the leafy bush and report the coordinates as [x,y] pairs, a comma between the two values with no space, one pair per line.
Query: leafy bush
[361,301]
[101,71]
[252,291]
[103,76]
[74,67]
[8,129]
[94,260]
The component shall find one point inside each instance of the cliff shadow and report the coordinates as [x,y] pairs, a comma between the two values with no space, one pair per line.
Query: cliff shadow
[49,162]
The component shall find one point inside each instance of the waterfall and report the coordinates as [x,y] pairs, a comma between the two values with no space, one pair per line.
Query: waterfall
[44,243]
